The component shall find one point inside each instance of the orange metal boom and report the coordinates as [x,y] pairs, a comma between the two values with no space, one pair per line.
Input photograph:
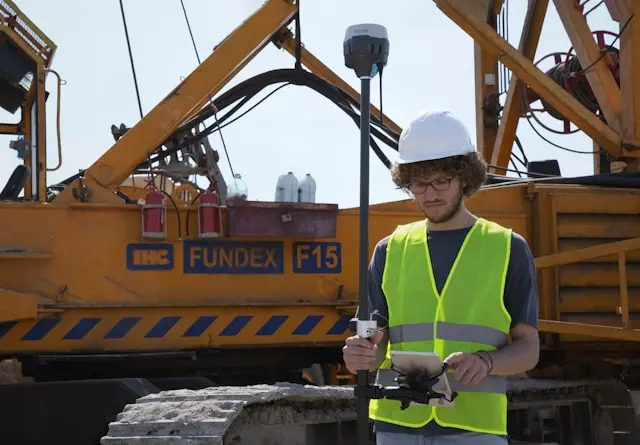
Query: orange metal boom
[567,225]
[619,135]
[266,25]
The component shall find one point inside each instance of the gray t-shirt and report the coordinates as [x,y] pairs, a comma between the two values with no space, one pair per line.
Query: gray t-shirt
[520,293]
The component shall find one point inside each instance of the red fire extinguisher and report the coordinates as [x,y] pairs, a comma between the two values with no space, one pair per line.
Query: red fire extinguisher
[154,216]
[209,215]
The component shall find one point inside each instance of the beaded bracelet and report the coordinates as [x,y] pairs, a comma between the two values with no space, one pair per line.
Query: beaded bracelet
[487,359]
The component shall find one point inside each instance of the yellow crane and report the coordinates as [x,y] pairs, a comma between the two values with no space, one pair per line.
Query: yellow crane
[225,291]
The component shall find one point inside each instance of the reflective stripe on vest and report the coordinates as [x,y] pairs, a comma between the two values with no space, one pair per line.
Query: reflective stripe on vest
[467,316]
[447,331]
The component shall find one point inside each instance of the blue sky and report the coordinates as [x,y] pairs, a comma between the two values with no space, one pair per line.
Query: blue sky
[430,65]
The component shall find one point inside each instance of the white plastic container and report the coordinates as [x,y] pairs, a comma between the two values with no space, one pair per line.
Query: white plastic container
[280,189]
[307,189]
[287,188]
[238,188]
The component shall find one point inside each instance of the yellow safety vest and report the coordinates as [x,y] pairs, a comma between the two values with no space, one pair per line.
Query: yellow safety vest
[468,316]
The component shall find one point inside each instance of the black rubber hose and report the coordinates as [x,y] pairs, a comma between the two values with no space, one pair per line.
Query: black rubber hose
[253,86]
[246,90]
[257,83]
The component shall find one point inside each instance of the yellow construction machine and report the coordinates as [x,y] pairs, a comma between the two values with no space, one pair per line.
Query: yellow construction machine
[203,292]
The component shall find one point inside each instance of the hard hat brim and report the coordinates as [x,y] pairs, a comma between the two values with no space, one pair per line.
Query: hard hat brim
[434,156]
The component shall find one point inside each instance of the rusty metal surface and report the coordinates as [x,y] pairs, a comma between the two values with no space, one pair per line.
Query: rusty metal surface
[278,219]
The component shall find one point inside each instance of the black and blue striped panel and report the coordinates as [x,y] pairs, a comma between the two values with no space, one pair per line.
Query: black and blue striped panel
[166,326]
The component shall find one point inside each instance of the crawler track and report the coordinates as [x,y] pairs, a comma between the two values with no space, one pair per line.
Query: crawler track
[540,411]
[229,415]
[557,411]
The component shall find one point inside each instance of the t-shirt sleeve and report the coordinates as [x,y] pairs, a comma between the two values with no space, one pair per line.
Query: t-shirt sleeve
[377,301]
[521,292]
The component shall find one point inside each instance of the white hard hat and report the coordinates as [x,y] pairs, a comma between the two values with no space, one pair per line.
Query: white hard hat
[433,134]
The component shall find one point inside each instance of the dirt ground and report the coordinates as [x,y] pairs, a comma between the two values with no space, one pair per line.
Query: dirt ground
[11,372]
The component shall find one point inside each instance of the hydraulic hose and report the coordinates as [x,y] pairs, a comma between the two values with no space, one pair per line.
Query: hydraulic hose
[239,95]
[245,91]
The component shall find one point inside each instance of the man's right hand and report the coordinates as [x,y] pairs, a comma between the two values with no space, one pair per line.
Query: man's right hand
[360,354]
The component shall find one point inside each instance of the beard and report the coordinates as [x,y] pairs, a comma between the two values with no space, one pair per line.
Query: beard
[438,216]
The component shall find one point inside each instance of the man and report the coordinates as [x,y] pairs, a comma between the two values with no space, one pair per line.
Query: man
[454,284]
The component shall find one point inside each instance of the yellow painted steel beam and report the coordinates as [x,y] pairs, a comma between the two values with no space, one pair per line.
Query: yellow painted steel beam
[27,131]
[9,128]
[599,75]
[618,9]
[161,328]
[233,53]
[587,253]
[513,104]
[41,134]
[465,15]
[496,6]
[589,330]
[629,79]
[17,306]
[486,86]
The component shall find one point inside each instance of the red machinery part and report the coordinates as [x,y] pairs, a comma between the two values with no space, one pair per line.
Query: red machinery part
[568,73]
[154,216]
[209,216]
[574,75]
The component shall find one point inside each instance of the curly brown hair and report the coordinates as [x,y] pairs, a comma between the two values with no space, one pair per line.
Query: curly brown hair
[471,169]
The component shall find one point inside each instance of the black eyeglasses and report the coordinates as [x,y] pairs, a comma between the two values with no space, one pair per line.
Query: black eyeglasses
[440,185]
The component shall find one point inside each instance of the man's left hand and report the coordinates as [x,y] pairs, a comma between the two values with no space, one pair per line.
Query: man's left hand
[470,369]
